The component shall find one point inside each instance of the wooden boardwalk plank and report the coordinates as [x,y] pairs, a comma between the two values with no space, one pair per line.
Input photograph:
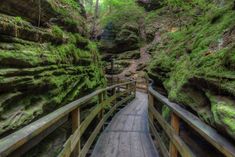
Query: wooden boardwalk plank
[136,145]
[124,147]
[127,135]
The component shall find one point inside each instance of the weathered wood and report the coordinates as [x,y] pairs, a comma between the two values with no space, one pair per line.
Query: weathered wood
[136,145]
[210,134]
[151,104]
[36,140]
[183,149]
[66,152]
[91,139]
[118,88]
[175,124]
[14,141]
[101,99]
[75,114]
[79,132]
[126,135]
[158,140]
[107,115]
[114,93]
[89,118]
[99,126]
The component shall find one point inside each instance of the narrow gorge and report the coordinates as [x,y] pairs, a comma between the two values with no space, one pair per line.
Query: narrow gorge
[53,52]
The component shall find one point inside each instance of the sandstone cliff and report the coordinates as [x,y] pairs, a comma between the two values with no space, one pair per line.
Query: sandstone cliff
[46,59]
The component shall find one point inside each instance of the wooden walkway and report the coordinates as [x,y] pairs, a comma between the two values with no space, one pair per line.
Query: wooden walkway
[127,135]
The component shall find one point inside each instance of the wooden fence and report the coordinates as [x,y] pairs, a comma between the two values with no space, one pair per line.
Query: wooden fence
[141,84]
[26,138]
[177,146]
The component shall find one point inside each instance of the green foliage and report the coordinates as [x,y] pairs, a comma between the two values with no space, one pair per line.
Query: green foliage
[92,47]
[62,7]
[182,4]
[72,3]
[19,20]
[57,31]
[166,112]
[119,12]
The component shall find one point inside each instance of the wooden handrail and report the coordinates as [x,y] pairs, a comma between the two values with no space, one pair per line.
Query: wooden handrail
[24,139]
[177,143]
[141,85]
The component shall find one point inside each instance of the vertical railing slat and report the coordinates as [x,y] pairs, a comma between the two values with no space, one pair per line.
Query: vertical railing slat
[75,125]
[175,125]
[151,103]
[101,99]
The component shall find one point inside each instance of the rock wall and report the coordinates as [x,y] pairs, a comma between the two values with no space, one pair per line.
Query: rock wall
[46,59]
[193,63]
[118,40]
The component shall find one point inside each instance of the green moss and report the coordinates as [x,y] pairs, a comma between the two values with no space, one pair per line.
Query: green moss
[166,113]
[224,112]
[92,47]
[57,66]
[19,20]
[57,31]
[196,60]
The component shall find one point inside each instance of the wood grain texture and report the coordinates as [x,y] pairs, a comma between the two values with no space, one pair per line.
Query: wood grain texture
[175,124]
[208,133]
[75,125]
[127,135]
[21,137]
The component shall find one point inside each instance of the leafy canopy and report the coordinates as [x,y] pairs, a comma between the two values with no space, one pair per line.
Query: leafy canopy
[119,12]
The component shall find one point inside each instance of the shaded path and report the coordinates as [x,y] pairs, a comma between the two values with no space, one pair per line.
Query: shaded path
[127,135]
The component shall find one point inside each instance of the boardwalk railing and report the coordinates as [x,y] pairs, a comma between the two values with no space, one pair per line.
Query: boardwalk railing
[26,138]
[141,84]
[172,129]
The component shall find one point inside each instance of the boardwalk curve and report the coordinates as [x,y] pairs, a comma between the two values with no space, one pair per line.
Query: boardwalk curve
[127,135]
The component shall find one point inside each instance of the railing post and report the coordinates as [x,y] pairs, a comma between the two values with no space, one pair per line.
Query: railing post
[101,99]
[151,103]
[146,84]
[114,93]
[175,124]
[118,81]
[134,84]
[75,125]
[127,88]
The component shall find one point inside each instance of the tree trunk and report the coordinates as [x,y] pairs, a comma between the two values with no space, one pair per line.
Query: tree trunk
[96,15]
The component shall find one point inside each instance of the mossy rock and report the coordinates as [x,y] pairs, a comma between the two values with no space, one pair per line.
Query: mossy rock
[224,113]
[125,38]
[44,64]
[195,65]
[67,14]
